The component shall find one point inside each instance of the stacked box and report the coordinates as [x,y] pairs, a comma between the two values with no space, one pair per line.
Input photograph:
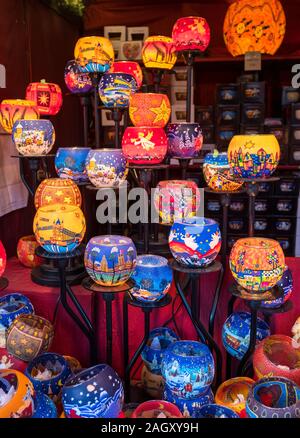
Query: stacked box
[227,115]
[127,41]
[178,93]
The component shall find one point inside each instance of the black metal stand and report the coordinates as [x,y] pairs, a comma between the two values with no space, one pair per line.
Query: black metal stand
[95,81]
[147,309]
[189,57]
[108,294]
[84,101]
[193,309]
[3,283]
[82,321]
[157,77]
[117,117]
[183,164]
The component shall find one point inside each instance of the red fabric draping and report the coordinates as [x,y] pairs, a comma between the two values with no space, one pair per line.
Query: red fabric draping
[69,339]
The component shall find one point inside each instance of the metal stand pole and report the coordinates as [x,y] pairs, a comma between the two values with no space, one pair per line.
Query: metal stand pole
[108,298]
[243,365]
[95,81]
[190,62]
[117,116]
[84,101]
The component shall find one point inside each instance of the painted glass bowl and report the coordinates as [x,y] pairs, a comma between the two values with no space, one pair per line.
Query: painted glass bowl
[286,284]
[218,175]
[76,81]
[149,109]
[236,333]
[156,409]
[44,407]
[57,191]
[10,362]
[143,145]
[152,278]
[33,137]
[106,167]
[26,251]
[115,89]
[184,140]
[70,163]
[189,407]
[17,395]
[233,393]
[13,305]
[216,411]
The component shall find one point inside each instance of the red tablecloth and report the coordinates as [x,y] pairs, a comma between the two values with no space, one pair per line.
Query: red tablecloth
[69,339]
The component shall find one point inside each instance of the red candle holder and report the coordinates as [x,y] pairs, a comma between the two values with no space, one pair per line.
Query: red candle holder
[191,34]
[47,97]
[2,259]
[143,145]
[156,409]
[129,67]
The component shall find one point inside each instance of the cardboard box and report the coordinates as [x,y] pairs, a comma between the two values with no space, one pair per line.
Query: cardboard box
[137,33]
[179,113]
[106,118]
[115,33]
[179,95]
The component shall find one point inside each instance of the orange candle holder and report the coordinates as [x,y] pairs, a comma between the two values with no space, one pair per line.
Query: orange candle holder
[26,252]
[149,109]
[21,404]
[47,97]
[233,393]
[12,110]
[159,52]
[57,191]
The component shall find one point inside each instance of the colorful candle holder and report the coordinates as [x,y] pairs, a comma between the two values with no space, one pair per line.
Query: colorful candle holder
[18,393]
[10,362]
[216,411]
[115,89]
[189,408]
[76,81]
[110,260]
[28,336]
[57,191]
[129,67]
[195,242]
[142,145]
[159,52]
[13,305]
[274,397]
[12,110]
[184,140]
[233,393]
[253,156]
[93,393]
[44,407]
[70,163]
[257,264]
[153,384]
[59,228]
[286,284]
[236,333]
[191,34]
[149,109]
[152,354]
[33,137]
[26,252]
[47,97]
[176,200]
[277,355]
[218,174]
[94,54]
[156,409]
[2,259]
[188,368]
[106,167]
[152,278]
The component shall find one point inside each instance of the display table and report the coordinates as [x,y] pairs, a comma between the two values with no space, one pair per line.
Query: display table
[69,340]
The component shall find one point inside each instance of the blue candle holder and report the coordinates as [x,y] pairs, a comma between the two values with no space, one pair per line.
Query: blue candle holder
[106,167]
[189,407]
[70,163]
[13,305]
[286,284]
[44,407]
[115,89]
[216,411]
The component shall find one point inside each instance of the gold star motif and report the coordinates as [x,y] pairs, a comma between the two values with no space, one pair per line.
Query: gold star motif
[162,112]
[249,144]
[43,99]
[48,198]
[58,193]
[68,200]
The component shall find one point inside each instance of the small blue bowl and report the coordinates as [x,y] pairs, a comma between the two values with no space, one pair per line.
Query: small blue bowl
[44,407]
[13,305]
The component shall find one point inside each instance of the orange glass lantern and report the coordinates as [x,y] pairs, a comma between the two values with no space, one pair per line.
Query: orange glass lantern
[159,52]
[26,252]
[57,191]
[2,259]
[233,393]
[47,97]
[191,34]
[19,391]
[257,264]
[129,67]
[277,355]
[149,109]
[254,26]
[144,145]
[94,54]
[12,110]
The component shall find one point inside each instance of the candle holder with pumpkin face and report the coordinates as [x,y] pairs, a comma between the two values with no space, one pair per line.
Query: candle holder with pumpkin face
[218,175]
[257,264]
[12,306]
[2,259]
[70,163]
[195,242]
[110,260]
[253,156]
[26,252]
[17,393]
[106,167]
[143,145]
[129,67]
[59,228]
[57,191]
[47,97]
[176,200]
[254,26]
[33,137]
[191,34]
[94,54]
[184,140]
[236,333]
[159,52]
[76,81]
[188,368]
[12,110]
[285,284]
[149,109]
[277,355]
[115,89]
[233,393]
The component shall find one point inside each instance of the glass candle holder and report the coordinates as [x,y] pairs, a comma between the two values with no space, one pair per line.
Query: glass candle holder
[189,407]
[149,109]
[195,242]
[47,97]
[76,81]
[12,110]
[110,260]
[10,362]
[129,67]
[142,145]
[184,140]
[44,407]
[156,409]
[19,394]
[33,137]
[115,89]
[94,54]
[191,34]
[159,52]
[257,264]
[152,278]
[188,368]
[12,306]
[253,156]
[176,200]
[233,393]
[286,284]
[106,167]
[59,228]
[236,333]
[70,163]
[216,411]
[57,191]
[2,259]
[104,389]
[218,174]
